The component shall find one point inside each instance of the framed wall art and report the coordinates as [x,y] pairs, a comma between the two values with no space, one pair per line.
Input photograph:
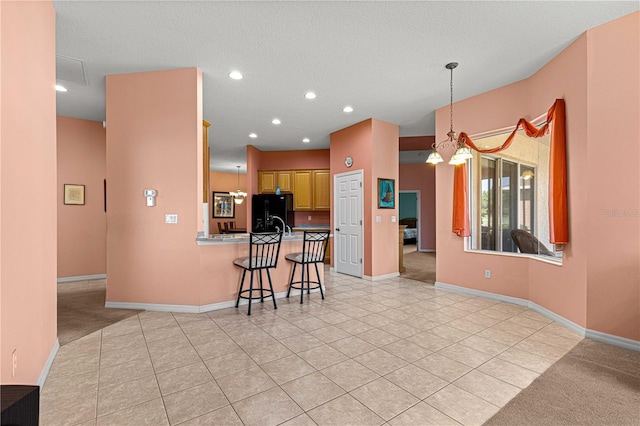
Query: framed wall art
[386,193]
[223,205]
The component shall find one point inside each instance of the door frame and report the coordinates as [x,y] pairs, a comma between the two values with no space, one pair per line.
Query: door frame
[336,176]
[417,192]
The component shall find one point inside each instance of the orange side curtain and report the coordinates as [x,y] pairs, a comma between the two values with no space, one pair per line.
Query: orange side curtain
[460,207]
[558,216]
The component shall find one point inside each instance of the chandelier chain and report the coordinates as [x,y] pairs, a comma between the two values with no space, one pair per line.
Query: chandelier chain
[451,102]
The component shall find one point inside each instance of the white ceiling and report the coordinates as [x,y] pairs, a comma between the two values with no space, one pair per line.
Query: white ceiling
[386,59]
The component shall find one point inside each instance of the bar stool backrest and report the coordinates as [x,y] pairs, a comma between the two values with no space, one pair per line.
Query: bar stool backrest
[314,246]
[220,231]
[264,249]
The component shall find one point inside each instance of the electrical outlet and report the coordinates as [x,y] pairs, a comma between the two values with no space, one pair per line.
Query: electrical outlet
[487,273]
[308,217]
[170,218]
[15,362]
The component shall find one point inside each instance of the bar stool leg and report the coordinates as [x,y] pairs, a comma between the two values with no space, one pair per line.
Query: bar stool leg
[308,280]
[261,289]
[244,272]
[273,295]
[302,283]
[293,273]
[319,280]
[250,293]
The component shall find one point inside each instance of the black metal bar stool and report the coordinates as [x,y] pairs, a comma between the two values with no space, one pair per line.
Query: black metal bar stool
[264,249]
[314,247]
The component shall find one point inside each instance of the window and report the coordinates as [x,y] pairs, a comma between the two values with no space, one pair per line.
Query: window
[509,191]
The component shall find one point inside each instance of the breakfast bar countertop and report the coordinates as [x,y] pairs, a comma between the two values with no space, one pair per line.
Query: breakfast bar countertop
[216,239]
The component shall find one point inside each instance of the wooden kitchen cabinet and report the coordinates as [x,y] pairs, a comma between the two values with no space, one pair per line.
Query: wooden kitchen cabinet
[302,190]
[267,181]
[285,180]
[321,190]
[311,189]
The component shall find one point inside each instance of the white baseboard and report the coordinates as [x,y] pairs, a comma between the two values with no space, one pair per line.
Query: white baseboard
[591,334]
[421,250]
[381,277]
[49,363]
[613,340]
[196,309]
[82,278]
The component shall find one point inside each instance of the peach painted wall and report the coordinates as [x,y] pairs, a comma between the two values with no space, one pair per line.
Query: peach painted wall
[220,279]
[613,105]
[28,215]
[385,161]
[291,160]
[354,141]
[594,287]
[225,182]
[82,230]
[422,177]
[416,143]
[551,286]
[373,145]
[154,132]
[317,218]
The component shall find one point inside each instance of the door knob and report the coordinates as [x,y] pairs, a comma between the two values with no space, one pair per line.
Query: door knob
[337,229]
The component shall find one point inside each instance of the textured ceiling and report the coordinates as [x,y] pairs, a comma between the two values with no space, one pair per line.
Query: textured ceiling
[386,59]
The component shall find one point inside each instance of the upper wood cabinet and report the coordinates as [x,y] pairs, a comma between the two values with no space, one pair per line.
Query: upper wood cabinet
[311,188]
[302,187]
[267,182]
[321,190]
[285,180]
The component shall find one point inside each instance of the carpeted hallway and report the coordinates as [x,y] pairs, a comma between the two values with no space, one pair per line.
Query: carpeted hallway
[420,266]
[81,310]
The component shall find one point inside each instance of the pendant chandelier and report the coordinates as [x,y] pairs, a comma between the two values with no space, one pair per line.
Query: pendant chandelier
[463,152]
[238,196]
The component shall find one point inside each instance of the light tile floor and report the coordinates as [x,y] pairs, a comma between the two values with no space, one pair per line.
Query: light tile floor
[396,352]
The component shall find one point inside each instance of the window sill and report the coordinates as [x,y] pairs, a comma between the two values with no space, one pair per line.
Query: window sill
[544,259]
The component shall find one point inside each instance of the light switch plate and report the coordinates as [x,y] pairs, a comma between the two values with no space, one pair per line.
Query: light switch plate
[171,218]
[393,218]
[378,218]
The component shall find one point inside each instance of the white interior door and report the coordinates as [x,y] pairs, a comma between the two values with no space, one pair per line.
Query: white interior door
[348,217]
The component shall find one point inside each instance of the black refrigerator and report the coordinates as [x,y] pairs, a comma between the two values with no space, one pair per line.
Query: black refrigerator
[265,206]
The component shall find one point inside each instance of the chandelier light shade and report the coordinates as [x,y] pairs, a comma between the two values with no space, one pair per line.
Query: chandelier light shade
[463,152]
[238,196]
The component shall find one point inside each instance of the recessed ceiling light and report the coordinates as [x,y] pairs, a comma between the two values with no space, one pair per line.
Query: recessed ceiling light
[235,75]
[306,140]
[276,121]
[347,109]
[253,135]
[310,95]
[60,88]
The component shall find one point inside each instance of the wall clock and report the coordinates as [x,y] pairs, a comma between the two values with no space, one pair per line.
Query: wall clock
[348,161]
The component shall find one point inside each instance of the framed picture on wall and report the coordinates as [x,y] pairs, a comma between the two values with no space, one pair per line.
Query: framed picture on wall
[386,193]
[223,205]
[74,194]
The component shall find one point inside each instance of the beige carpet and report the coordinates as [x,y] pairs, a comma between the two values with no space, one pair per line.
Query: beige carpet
[420,266]
[593,384]
[81,310]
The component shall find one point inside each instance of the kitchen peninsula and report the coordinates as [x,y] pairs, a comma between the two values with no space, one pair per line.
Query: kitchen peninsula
[220,279]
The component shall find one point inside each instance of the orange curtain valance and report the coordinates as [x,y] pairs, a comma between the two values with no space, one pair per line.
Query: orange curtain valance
[558,217]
